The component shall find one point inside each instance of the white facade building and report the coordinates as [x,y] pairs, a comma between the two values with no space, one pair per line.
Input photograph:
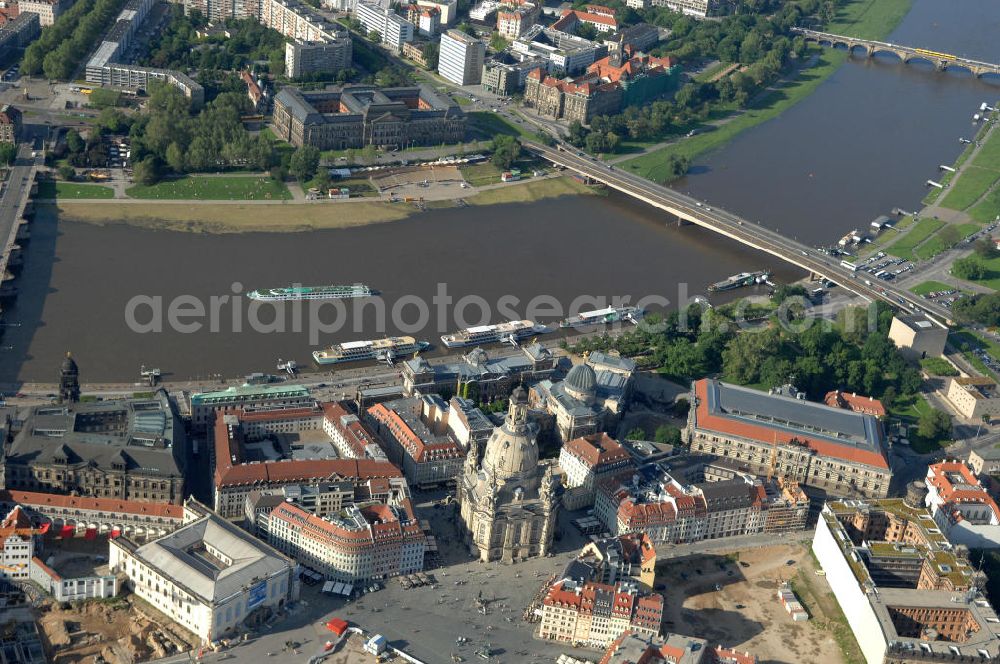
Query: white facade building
[962,508]
[448,9]
[209,576]
[461,58]
[393,30]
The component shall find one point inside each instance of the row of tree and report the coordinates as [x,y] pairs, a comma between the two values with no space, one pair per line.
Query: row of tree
[61,47]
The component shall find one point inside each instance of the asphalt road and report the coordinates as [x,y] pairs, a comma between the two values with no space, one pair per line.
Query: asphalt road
[16,189]
[742,230]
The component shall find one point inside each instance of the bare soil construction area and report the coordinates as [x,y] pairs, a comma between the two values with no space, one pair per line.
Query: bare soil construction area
[731,600]
[113,630]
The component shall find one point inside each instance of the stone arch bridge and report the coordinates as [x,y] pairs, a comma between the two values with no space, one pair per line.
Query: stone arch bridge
[941,61]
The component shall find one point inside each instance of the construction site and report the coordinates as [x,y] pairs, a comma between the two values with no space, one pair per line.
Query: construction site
[734,600]
[115,631]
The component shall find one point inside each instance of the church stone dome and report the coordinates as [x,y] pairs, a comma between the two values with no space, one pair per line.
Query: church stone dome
[512,450]
[581,379]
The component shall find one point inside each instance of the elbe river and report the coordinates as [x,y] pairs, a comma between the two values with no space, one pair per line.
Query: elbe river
[863,143]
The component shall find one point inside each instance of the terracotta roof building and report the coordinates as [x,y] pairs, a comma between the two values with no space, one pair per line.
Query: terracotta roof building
[961,506]
[595,614]
[837,450]
[245,461]
[851,401]
[585,461]
[415,434]
[364,541]
[82,516]
[650,500]
[623,78]
[602,18]
[613,560]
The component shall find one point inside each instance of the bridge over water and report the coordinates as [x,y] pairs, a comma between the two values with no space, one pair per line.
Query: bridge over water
[737,228]
[941,61]
[14,209]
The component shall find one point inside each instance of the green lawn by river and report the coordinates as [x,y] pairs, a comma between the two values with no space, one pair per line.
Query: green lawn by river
[870,19]
[214,188]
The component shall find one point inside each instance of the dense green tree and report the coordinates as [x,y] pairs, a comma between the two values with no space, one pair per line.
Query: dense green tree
[431,53]
[970,268]
[147,171]
[668,434]
[305,162]
[74,143]
[506,150]
[67,172]
[934,424]
[985,247]
[175,158]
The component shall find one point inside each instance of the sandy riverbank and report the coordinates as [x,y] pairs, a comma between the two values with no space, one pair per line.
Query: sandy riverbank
[284,216]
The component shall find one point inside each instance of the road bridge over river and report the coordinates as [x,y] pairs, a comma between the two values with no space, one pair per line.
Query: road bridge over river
[941,61]
[742,230]
[13,204]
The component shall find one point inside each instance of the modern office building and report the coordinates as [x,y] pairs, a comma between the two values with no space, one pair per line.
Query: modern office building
[317,57]
[917,336]
[974,397]
[506,73]
[354,116]
[906,592]
[461,58]
[393,30]
[565,54]
[697,8]
[209,576]
[830,449]
[106,67]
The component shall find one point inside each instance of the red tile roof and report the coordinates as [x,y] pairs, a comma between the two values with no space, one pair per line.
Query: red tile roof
[230,471]
[839,399]
[969,491]
[776,435]
[41,501]
[420,450]
[598,451]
